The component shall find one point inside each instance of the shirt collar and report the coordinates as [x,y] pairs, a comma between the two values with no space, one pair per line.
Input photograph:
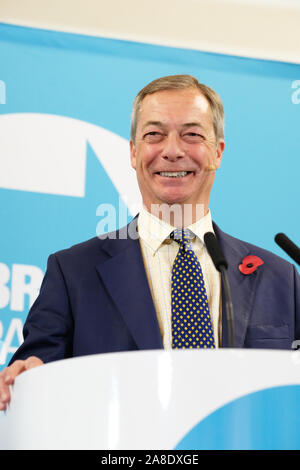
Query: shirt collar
[202,226]
[154,231]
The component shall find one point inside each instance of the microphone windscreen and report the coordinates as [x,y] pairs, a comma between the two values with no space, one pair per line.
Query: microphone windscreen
[215,251]
[288,246]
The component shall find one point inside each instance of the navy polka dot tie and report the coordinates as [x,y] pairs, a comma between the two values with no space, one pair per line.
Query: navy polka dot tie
[191,322]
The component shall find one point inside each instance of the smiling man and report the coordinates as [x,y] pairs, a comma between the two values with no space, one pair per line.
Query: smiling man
[160,289]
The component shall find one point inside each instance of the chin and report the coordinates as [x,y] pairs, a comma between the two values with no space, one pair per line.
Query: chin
[174,198]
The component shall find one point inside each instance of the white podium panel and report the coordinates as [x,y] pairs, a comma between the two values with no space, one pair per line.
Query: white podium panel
[189,399]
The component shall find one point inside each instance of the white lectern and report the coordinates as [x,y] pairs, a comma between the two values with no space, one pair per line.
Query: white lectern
[189,399]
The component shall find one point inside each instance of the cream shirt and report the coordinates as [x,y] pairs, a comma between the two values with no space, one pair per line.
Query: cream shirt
[159,253]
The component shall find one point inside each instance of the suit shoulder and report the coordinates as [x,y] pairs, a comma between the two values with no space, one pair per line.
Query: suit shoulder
[97,248]
[80,248]
[266,255]
[240,249]
[81,255]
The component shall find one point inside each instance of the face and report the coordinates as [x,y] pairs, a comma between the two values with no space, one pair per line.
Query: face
[175,153]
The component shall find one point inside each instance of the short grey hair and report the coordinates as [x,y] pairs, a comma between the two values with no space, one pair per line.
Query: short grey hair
[180,82]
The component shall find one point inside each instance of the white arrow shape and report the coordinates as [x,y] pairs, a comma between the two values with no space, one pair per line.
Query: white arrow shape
[46,153]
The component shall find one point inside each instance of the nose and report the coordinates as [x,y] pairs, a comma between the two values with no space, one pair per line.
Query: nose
[172,149]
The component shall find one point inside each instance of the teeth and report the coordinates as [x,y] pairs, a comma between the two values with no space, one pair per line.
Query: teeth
[173,174]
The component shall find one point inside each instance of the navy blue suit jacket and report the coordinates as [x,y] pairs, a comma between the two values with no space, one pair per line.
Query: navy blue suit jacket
[95,298]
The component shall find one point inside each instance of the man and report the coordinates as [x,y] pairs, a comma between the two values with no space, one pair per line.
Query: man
[160,289]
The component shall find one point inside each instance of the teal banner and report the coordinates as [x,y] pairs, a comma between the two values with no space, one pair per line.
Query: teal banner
[65,104]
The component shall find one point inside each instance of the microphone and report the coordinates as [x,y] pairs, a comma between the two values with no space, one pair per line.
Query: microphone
[288,246]
[220,262]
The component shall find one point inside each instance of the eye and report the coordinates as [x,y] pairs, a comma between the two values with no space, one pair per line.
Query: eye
[193,137]
[153,136]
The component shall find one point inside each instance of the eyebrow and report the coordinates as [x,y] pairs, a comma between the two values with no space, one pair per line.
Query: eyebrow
[161,124]
[193,124]
[153,123]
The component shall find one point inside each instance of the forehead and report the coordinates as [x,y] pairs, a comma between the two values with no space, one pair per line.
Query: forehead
[175,105]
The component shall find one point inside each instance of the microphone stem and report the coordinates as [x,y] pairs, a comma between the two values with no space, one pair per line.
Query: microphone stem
[229,307]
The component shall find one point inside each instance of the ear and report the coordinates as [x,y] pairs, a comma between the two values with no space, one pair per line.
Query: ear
[132,154]
[219,152]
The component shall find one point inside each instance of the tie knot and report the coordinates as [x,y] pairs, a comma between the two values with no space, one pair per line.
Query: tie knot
[183,237]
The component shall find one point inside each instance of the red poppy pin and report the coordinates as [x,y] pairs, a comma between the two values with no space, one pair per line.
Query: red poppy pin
[250,264]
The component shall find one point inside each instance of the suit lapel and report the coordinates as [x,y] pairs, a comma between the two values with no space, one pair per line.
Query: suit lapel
[124,277]
[243,288]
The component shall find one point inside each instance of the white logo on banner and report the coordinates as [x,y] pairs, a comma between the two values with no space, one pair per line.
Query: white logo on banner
[47,154]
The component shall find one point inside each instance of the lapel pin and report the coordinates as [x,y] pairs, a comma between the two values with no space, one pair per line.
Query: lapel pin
[250,264]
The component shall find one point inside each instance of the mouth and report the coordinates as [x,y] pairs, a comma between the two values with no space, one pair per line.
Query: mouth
[174,174]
